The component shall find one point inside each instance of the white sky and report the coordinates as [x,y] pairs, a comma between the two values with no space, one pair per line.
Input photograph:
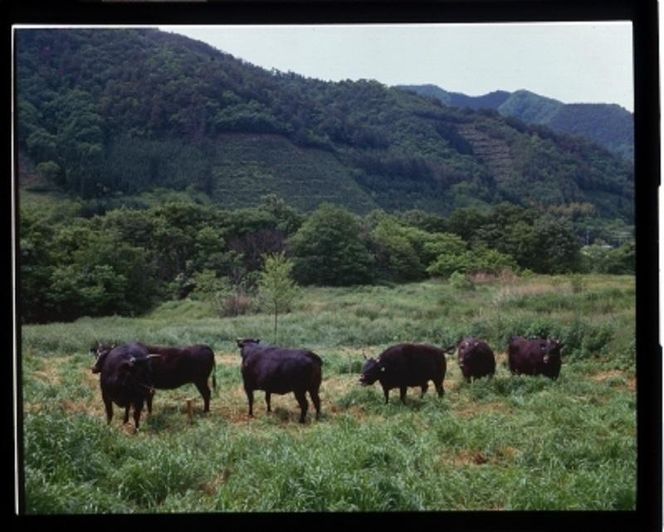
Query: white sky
[578,62]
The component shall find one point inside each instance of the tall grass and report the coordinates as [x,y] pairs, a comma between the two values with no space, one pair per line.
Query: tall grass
[509,443]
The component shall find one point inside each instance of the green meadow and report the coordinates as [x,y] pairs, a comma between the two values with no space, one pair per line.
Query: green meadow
[508,443]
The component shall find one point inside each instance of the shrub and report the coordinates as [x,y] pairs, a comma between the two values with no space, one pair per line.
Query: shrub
[461,281]
[234,304]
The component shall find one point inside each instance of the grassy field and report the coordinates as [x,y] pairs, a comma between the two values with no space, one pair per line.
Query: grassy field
[511,443]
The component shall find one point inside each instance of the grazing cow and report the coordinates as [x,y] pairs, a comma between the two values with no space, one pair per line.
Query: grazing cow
[280,370]
[126,379]
[174,367]
[404,365]
[539,356]
[476,359]
[181,365]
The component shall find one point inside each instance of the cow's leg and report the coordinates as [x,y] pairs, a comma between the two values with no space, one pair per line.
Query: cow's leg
[402,393]
[126,416]
[386,392]
[316,400]
[138,408]
[267,401]
[204,390]
[250,399]
[148,400]
[439,388]
[424,388]
[301,397]
[108,405]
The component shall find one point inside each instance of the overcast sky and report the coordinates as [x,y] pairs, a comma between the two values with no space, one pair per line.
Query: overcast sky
[588,62]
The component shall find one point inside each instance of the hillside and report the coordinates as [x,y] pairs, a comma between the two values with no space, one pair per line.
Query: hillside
[609,125]
[182,115]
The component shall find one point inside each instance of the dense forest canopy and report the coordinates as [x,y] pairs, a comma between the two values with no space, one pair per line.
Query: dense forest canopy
[152,167]
[120,111]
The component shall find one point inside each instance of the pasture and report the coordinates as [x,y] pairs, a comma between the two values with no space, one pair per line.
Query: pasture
[510,443]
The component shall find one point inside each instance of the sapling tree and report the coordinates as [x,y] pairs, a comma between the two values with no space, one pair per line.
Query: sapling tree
[276,289]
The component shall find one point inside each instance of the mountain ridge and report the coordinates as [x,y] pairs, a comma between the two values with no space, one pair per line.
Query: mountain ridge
[608,124]
[182,114]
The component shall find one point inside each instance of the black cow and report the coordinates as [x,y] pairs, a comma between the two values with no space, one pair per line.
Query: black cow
[280,370]
[404,365]
[540,356]
[126,379]
[476,359]
[174,367]
[182,365]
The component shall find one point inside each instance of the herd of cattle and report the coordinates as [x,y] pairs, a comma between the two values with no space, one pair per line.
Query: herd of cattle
[130,373]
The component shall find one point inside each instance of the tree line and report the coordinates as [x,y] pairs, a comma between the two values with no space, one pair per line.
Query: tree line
[124,261]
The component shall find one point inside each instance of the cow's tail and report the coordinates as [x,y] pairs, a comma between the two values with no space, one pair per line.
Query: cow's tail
[214,373]
[214,369]
[316,374]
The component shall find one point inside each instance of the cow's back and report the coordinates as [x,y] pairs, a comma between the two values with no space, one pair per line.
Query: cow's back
[279,370]
[476,358]
[180,365]
[412,364]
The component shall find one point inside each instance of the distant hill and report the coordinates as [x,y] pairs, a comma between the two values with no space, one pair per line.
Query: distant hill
[107,113]
[609,125]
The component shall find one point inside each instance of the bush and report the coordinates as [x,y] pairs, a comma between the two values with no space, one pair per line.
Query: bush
[480,259]
[461,281]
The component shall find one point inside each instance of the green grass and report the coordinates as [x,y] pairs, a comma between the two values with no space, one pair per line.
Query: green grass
[510,443]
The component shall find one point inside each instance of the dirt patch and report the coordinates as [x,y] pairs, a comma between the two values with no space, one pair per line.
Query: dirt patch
[604,376]
[228,360]
[501,359]
[93,409]
[631,384]
[50,370]
[211,488]
[473,409]
[465,458]
[474,458]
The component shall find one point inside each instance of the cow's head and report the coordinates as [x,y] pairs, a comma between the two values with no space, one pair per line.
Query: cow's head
[552,350]
[99,351]
[371,371]
[464,348]
[241,342]
[135,372]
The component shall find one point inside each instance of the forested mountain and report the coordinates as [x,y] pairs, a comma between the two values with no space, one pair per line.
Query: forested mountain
[609,125]
[110,112]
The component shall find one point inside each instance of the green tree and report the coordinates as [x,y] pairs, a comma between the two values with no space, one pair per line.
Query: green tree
[276,289]
[329,249]
[395,255]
